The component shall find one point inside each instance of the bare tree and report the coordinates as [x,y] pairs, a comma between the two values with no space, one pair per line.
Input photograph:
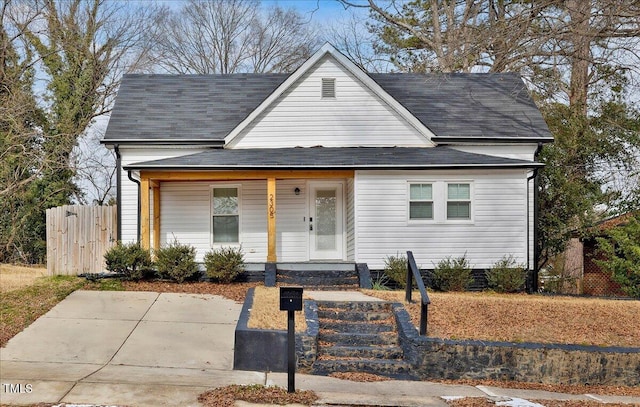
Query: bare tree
[352,37]
[221,37]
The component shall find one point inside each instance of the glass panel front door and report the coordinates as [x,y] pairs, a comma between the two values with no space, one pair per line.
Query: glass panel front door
[325,221]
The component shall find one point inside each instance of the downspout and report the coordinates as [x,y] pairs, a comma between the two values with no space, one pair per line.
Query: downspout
[138,216]
[116,148]
[536,216]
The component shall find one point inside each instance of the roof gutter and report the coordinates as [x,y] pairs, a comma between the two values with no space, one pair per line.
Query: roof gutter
[157,142]
[533,288]
[335,167]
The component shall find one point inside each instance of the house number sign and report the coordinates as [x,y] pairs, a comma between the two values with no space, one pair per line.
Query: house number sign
[272,207]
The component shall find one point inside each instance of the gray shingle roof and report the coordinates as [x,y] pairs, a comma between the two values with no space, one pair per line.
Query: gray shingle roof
[332,158]
[205,108]
[468,105]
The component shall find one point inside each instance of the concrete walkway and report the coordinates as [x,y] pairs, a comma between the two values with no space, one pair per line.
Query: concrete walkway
[149,349]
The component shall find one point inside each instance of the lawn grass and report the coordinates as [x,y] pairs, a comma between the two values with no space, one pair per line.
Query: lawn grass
[20,307]
[526,318]
[13,277]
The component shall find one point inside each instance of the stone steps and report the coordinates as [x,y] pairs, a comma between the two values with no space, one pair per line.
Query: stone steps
[337,314]
[396,369]
[319,279]
[359,337]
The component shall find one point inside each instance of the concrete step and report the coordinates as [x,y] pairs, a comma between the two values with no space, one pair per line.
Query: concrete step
[361,352]
[396,369]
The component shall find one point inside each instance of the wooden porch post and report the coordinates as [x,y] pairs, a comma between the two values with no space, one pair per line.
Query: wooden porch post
[145,211]
[271,220]
[156,215]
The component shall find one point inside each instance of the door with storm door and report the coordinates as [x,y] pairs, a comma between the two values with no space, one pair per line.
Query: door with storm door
[326,217]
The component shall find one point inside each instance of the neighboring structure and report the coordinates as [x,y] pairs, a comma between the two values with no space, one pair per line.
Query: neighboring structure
[330,163]
[579,261]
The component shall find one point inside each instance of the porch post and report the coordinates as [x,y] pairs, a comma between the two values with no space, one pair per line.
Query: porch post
[144,212]
[156,215]
[271,220]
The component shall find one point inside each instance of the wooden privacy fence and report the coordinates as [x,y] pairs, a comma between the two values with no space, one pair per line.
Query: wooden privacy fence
[78,236]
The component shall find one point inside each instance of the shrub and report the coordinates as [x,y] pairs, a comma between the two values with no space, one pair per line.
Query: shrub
[506,275]
[130,260]
[224,264]
[620,253]
[176,262]
[452,274]
[395,267]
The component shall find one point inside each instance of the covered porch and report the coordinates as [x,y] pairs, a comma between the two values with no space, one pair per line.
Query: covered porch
[263,211]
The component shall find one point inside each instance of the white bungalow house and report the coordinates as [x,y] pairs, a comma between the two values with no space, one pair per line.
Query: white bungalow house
[329,163]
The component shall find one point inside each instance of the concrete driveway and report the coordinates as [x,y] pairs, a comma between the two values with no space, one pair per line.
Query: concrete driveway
[124,348]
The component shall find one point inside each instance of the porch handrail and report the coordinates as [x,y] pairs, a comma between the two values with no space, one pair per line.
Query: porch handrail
[414,272]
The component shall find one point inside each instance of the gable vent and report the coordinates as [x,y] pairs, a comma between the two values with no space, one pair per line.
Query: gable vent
[328,88]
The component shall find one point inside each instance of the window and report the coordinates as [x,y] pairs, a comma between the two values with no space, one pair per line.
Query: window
[458,201]
[420,201]
[226,215]
[328,88]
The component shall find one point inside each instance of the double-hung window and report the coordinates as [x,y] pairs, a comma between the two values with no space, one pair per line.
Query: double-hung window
[420,201]
[226,215]
[458,201]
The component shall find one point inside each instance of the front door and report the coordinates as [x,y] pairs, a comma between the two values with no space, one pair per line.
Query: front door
[326,221]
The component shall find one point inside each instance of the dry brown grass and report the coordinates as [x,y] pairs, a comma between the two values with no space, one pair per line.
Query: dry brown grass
[527,318]
[265,311]
[15,277]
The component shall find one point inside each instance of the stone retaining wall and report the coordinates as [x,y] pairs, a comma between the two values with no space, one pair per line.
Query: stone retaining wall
[525,362]
[265,350]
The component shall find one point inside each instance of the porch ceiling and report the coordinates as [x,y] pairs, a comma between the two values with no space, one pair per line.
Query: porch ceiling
[323,158]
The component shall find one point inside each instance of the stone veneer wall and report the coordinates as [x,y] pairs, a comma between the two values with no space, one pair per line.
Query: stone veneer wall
[526,362]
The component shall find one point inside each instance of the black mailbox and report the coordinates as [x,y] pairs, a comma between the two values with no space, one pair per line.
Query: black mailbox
[290,298]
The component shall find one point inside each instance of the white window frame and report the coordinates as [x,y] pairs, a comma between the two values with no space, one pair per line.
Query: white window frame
[213,244]
[432,200]
[447,200]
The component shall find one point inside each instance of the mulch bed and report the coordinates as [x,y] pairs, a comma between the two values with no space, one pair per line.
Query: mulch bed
[226,396]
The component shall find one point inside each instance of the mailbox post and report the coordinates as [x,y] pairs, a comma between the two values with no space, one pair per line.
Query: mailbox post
[291,301]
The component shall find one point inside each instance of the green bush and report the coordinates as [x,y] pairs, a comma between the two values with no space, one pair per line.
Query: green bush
[620,254]
[395,268]
[176,262]
[130,260]
[224,264]
[452,274]
[506,275]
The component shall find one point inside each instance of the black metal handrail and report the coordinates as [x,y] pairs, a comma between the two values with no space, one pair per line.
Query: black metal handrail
[414,272]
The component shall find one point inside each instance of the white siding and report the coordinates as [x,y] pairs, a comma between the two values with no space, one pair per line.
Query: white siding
[351,238]
[498,225]
[355,117]
[515,151]
[129,201]
[186,215]
[292,236]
